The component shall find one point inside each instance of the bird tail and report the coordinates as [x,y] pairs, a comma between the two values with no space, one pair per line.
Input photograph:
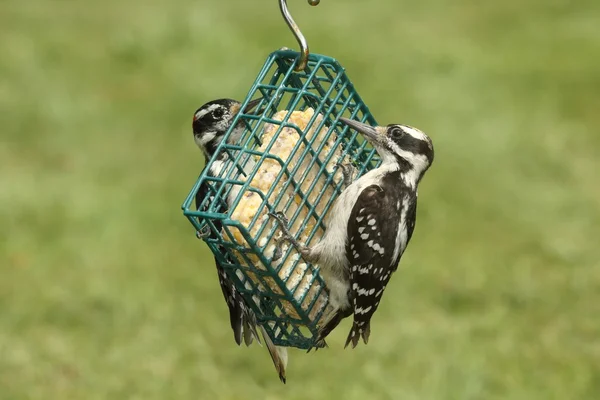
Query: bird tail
[278,354]
[249,327]
[360,328]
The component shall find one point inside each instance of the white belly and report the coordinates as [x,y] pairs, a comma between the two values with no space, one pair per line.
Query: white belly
[332,247]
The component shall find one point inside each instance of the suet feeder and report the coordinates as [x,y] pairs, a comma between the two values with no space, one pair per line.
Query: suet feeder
[286,161]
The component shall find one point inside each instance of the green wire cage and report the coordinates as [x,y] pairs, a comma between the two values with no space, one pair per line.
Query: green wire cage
[305,187]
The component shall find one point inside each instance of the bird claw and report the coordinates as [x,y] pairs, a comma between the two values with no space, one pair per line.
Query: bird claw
[348,171]
[280,218]
[288,237]
[283,222]
[203,233]
[317,344]
[277,253]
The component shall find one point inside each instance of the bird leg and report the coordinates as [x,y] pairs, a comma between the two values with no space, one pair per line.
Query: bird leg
[319,341]
[287,236]
[203,233]
[333,320]
[317,344]
[348,172]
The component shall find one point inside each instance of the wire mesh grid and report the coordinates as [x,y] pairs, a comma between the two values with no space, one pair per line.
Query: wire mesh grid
[279,165]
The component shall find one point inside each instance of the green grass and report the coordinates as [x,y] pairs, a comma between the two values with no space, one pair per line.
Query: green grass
[105,293]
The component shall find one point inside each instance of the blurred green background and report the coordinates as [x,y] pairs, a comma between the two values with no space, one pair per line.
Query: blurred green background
[105,293]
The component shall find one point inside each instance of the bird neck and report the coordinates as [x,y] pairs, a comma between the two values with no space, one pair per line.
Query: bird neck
[209,143]
[397,167]
[216,137]
[411,177]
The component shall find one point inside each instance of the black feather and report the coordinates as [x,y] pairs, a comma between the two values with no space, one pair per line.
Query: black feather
[373,227]
[240,316]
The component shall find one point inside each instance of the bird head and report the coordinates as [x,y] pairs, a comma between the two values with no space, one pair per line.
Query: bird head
[407,146]
[213,119]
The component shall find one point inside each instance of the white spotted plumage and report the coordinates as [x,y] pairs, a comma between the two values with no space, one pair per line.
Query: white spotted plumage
[370,226]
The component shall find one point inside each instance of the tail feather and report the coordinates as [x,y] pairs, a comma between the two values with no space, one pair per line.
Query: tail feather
[241,317]
[359,329]
[236,319]
[248,335]
[249,329]
[278,354]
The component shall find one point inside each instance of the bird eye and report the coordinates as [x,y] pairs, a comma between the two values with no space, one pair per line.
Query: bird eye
[396,133]
[218,113]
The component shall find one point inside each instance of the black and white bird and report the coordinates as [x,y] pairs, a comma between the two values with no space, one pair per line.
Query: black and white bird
[369,227]
[210,124]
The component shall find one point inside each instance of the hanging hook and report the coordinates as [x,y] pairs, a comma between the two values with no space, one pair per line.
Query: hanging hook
[296,31]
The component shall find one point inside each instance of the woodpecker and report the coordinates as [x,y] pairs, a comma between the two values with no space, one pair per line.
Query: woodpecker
[210,124]
[369,227]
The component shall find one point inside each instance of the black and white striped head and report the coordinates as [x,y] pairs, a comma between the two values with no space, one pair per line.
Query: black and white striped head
[409,147]
[213,119]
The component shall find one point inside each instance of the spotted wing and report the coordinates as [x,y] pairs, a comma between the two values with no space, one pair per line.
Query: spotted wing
[372,231]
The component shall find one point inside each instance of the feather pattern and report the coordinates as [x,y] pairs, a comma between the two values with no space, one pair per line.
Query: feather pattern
[377,226]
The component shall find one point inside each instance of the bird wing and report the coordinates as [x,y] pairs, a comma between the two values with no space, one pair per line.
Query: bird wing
[411,219]
[372,233]
[240,315]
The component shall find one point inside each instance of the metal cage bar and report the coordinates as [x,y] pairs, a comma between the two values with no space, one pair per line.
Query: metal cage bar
[289,317]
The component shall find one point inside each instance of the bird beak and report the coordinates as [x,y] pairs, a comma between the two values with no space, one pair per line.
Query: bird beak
[251,104]
[371,133]
[247,110]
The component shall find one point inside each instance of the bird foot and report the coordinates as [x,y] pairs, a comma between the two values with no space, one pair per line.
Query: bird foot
[283,222]
[318,344]
[331,322]
[348,171]
[203,233]
[287,236]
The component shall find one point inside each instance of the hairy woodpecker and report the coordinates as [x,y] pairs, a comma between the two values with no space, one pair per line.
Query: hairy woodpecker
[369,227]
[210,124]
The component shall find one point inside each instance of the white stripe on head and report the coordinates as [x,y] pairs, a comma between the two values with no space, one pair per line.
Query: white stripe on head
[416,133]
[203,111]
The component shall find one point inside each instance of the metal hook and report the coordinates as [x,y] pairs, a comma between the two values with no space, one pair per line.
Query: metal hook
[296,31]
